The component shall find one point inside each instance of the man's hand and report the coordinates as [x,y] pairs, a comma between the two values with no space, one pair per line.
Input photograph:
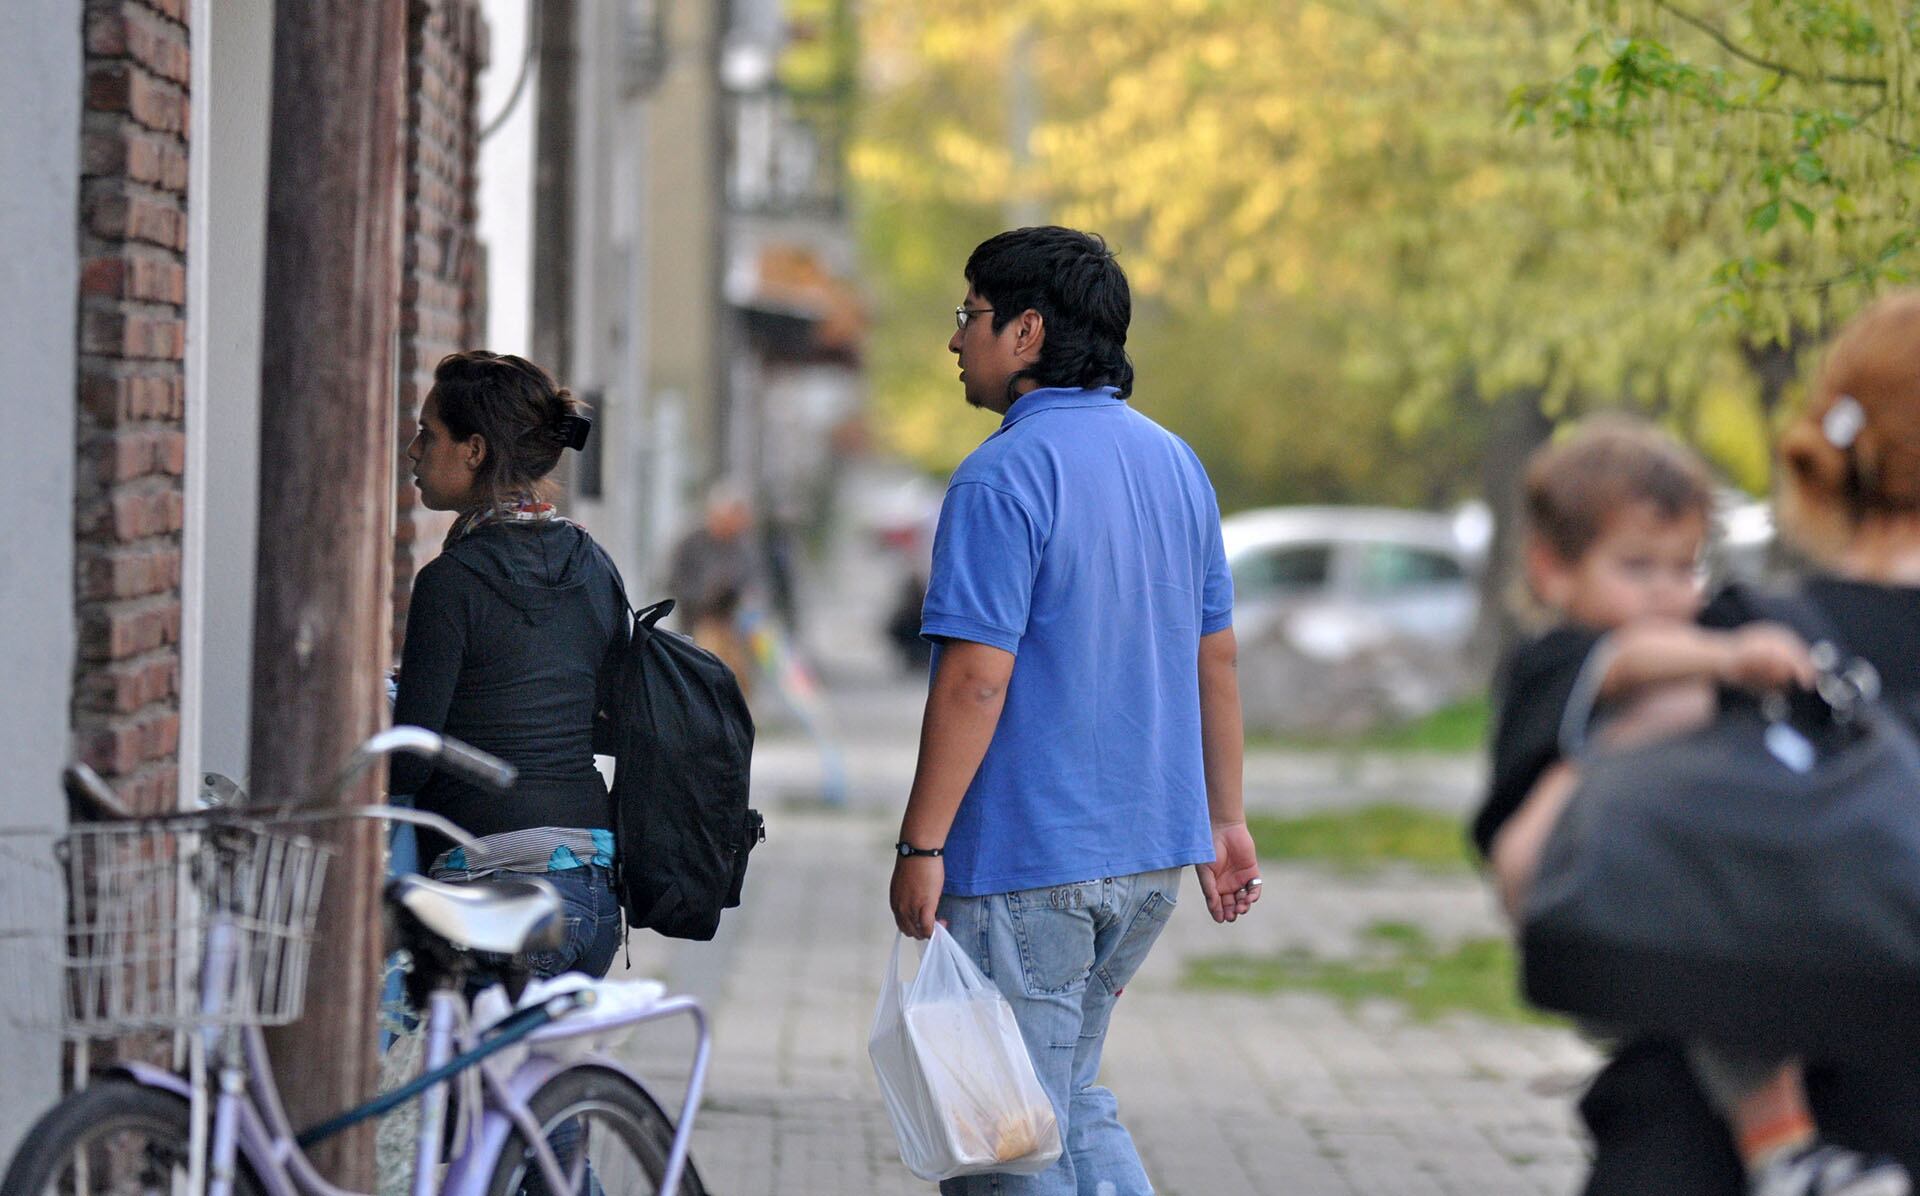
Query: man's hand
[1231,883]
[915,895]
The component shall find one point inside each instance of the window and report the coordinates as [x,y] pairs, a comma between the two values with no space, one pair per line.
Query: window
[1397,567]
[1292,569]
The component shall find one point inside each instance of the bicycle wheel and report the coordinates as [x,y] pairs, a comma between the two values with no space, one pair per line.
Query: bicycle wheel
[114,1136]
[625,1136]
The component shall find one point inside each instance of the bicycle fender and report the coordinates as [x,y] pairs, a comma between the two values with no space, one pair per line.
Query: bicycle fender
[470,1172]
[148,1076]
[254,1144]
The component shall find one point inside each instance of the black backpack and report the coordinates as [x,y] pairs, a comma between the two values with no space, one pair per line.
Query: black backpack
[682,741]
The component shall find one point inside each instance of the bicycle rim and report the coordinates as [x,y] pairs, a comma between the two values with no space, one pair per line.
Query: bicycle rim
[626,1140]
[112,1139]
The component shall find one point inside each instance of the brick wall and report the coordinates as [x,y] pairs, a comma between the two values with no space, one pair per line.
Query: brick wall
[443,278]
[132,445]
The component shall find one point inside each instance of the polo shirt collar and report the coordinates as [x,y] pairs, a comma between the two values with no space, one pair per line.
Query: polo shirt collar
[1048,398]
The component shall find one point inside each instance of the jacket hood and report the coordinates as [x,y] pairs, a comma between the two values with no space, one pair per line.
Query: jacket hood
[532,566]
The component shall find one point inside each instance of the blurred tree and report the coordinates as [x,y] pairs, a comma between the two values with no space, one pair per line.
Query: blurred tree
[1348,253]
[1788,131]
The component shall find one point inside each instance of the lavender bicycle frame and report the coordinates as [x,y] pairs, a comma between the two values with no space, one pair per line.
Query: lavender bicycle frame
[265,1140]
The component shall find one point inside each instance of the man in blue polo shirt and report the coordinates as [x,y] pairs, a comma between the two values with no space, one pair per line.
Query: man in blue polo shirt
[1082,735]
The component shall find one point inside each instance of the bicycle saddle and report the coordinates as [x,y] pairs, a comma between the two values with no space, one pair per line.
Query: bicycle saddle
[500,917]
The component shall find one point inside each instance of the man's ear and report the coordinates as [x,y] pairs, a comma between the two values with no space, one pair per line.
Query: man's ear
[1030,334]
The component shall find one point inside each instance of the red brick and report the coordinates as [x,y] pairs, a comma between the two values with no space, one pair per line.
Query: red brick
[115,399]
[109,87]
[156,103]
[103,151]
[126,515]
[107,32]
[122,630]
[103,276]
[116,213]
[128,686]
[131,573]
[152,789]
[130,334]
[121,456]
[130,29]
[170,454]
[112,748]
[118,745]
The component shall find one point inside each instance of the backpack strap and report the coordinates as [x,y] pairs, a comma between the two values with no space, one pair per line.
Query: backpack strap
[647,616]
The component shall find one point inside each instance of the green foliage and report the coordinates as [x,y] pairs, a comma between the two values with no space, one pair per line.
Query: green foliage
[1365,839]
[1460,727]
[1791,128]
[1397,962]
[1351,226]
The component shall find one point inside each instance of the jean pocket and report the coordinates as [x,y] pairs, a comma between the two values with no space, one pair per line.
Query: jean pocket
[1143,929]
[1053,929]
[546,964]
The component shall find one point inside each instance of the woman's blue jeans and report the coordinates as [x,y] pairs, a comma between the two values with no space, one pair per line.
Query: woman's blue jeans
[1061,955]
[593,935]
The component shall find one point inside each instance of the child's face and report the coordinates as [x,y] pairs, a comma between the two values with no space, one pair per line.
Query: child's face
[1643,566]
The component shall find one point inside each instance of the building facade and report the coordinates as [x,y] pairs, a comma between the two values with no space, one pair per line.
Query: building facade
[136,242]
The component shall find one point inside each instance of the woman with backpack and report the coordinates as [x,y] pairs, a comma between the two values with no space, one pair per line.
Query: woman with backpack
[510,638]
[1850,500]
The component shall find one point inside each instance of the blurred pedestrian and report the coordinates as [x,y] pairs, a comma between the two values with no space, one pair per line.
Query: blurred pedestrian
[1850,499]
[714,574]
[1082,732]
[1617,530]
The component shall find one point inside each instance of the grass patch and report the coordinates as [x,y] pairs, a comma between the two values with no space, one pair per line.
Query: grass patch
[1461,727]
[1398,963]
[1363,839]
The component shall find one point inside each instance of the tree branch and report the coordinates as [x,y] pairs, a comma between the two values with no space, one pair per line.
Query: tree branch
[1726,43]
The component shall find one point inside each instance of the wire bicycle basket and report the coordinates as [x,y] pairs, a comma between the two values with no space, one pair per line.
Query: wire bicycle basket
[148,903]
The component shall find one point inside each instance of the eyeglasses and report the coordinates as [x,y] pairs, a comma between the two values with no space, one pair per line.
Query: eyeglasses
[962,314]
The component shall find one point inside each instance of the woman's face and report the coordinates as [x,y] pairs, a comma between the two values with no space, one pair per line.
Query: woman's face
[444,468]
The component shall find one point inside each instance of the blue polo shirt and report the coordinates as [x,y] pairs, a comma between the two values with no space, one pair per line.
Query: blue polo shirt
[1085,539]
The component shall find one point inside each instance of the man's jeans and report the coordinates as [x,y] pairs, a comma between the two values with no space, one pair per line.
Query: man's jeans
[1061,955]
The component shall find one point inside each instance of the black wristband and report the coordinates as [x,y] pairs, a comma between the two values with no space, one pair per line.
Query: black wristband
[906,849]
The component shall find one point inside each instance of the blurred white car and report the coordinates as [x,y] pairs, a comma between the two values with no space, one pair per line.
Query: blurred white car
[1336,581]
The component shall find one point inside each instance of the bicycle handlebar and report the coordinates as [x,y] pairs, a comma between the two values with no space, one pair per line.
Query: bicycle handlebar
[93,800]
[468,761]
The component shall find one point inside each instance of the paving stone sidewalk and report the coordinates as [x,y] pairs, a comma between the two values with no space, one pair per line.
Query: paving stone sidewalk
[1291,1095]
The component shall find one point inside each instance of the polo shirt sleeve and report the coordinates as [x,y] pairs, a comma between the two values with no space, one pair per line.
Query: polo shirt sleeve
[1216,593]
[986,553]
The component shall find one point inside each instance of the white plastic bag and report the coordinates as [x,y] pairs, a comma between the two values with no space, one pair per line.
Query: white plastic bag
[955,1073]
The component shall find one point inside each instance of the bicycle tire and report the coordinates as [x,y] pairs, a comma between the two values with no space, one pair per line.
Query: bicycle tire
[606,1098]
[89,1120]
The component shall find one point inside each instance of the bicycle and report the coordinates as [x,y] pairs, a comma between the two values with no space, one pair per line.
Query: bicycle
[202,924]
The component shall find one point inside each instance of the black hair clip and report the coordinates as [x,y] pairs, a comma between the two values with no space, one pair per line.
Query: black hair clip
[574,429]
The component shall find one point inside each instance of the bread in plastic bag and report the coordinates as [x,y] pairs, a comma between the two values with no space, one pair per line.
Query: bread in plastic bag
[954,1072]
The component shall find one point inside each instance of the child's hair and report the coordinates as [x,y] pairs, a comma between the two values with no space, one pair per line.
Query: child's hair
[1608,463]
[1855,450]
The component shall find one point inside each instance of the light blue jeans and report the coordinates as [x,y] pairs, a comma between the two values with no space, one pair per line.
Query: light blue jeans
[1061,955]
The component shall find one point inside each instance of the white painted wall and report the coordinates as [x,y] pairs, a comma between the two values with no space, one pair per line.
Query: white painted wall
[506,179]
[40,59]
[226,258]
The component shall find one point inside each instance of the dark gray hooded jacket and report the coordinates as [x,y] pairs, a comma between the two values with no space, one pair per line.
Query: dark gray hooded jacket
[509,644]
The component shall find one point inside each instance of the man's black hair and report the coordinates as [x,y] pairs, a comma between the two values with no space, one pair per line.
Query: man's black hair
[1073,281]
